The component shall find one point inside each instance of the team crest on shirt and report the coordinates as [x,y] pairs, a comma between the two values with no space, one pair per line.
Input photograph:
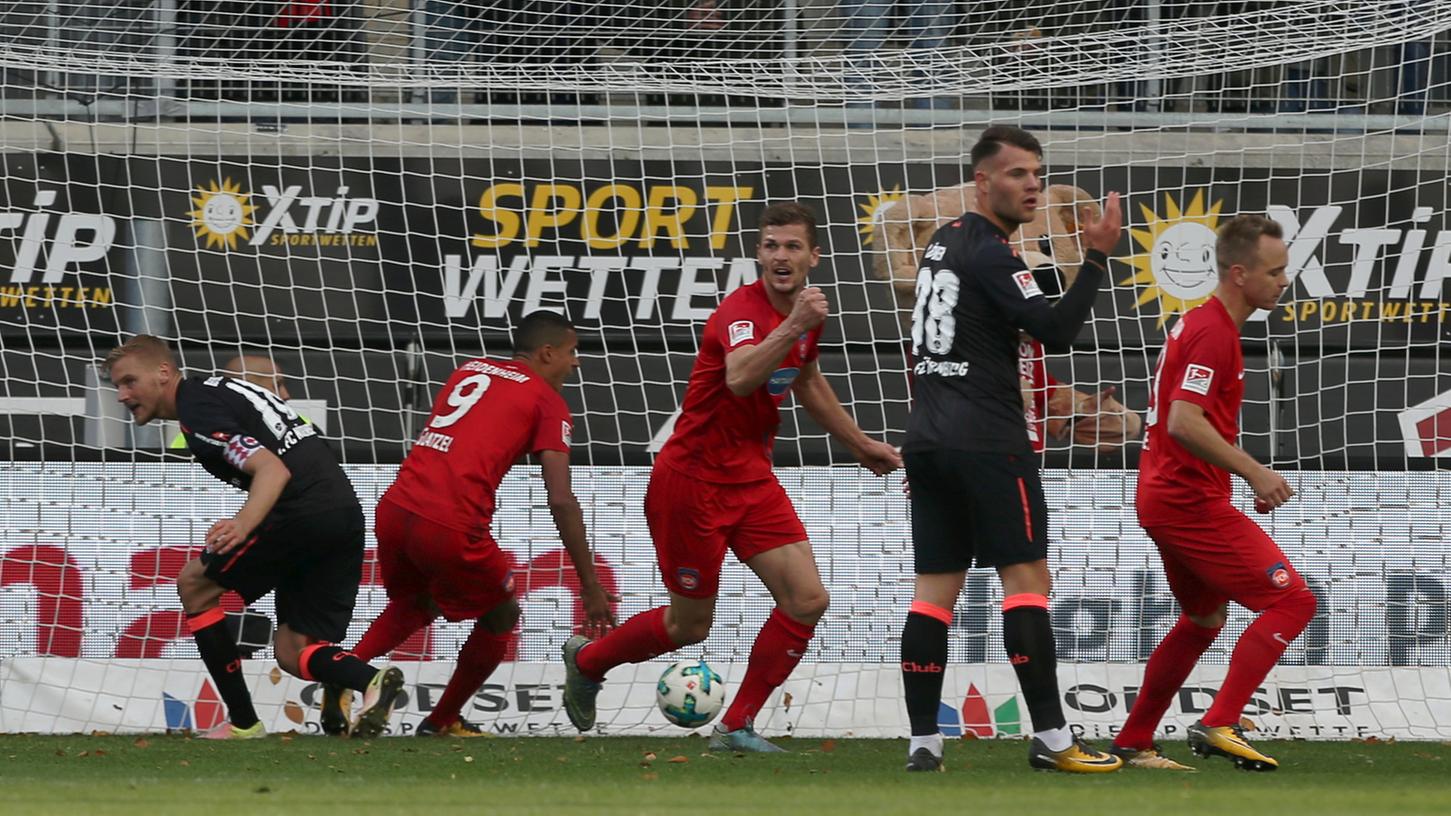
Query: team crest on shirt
[1197,378]
[1027,284]
[240,449]
[688,578]
[1279,575]
[801,346]
[741,331]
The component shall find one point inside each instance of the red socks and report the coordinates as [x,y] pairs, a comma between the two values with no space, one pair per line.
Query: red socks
[399,620]
[1168,668]
[777,650]
[636,640]
[477,660]
[1258,650]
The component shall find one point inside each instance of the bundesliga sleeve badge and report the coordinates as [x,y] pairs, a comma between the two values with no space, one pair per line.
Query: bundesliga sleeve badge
[741,331]
[1026,284]
[1197,378]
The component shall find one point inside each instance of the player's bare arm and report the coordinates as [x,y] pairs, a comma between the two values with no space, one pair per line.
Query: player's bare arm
[748,368]
[1058,325]
[269,476]
[821,402]
[1189,427]
[569,519]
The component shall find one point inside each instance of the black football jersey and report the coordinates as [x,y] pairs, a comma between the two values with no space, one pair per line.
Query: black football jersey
[226,420]
[974,294]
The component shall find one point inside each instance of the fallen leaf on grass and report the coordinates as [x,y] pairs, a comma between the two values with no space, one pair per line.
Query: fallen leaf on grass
[827,746]
[185,763]
[141,742]
[649,756]
[676,760]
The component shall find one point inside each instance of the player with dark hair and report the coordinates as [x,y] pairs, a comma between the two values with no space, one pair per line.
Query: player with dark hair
[300,532]
[976,494]
[1212,552]
[435,548]
[712,487]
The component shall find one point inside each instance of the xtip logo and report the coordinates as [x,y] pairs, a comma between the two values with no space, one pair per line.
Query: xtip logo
[64,249]
[974,720]
[225,213]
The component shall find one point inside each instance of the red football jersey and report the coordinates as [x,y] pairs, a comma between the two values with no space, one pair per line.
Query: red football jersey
[488,415]
[720,437]
[1202,363]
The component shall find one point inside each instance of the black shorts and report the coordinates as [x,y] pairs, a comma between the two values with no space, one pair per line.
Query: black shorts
[314,562]
[982,507]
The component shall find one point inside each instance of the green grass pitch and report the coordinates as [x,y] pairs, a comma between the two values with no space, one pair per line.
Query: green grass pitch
[85,775]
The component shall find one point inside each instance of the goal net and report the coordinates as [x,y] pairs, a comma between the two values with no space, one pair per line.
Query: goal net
[364,194]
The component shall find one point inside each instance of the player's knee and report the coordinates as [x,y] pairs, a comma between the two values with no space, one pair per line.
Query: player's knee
[195,590]
[501,619]
[688,631]
[1210,620]
[809,607]
[289,664]
[1300,604]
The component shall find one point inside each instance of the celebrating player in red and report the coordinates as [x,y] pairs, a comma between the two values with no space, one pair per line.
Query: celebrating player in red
[712,487]
[1212,552]
[434,545]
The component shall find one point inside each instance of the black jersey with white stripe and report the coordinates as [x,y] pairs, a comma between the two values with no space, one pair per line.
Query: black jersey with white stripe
[226,420]
[974,295]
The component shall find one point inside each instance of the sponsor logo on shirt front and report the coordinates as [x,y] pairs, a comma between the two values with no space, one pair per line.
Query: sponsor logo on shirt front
[781,380]
[1027,284]
[1197,378]
[942,368]
[741,331]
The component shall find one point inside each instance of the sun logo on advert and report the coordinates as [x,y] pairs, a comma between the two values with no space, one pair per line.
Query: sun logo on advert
[222,215]
[868,222]
[1175,256]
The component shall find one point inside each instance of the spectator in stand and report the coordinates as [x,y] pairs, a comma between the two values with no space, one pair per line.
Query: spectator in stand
[919,25]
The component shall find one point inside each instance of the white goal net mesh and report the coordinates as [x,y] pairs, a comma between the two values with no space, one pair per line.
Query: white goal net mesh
[367,193]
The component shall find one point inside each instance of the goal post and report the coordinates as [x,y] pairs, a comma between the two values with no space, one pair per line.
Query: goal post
[369,193]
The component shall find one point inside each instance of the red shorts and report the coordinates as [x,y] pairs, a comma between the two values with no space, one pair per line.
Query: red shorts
[694,522]
[465,577]
[1222,556]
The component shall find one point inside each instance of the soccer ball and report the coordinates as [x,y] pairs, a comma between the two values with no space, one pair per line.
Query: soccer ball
[690,693]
